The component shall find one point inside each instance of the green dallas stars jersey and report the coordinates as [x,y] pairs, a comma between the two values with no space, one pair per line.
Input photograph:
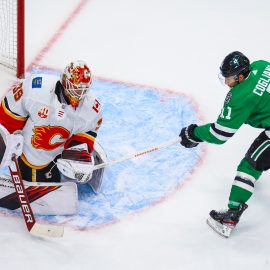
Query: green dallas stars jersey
[247,102]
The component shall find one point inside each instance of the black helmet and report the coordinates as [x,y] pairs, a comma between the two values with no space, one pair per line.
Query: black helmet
[235,63]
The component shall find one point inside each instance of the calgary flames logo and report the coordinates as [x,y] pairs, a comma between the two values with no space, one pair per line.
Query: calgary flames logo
[49,137]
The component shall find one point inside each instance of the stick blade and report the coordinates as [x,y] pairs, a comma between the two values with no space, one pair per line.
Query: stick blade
[47,230]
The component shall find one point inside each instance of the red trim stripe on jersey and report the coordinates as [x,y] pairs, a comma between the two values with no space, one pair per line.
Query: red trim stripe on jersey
[83,138]
[9,120]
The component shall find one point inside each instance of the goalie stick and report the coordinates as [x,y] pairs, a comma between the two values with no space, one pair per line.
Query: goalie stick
[33,227]
[138,154]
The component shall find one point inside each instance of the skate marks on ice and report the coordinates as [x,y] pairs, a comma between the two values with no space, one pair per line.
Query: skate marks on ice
[135,118]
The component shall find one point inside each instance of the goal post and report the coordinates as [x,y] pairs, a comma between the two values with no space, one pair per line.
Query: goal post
[12,36]
[20,39]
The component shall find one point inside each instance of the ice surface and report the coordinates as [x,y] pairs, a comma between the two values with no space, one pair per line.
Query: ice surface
[176,45]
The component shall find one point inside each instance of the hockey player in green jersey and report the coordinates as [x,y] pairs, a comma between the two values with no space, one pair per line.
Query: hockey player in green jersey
[247,102]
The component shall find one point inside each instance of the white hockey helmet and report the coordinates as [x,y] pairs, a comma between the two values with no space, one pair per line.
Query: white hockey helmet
[76,80]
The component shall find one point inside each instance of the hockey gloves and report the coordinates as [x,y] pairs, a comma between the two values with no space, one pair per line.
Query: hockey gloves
[188,139]
[76,163]
[10,145]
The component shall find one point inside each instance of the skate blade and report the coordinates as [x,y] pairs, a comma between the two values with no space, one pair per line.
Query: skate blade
[223,230]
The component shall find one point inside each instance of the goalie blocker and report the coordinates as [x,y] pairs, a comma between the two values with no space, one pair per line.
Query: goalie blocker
[10,145]
[52,198]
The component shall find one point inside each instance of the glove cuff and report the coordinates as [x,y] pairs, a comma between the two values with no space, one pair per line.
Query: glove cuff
[189,132]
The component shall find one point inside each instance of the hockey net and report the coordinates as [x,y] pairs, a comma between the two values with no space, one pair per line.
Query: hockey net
[12,36]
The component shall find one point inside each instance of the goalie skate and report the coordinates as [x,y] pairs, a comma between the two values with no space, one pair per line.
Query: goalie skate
[222,229]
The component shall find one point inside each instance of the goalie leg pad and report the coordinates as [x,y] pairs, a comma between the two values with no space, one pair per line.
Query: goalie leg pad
[45,198]
[99,156]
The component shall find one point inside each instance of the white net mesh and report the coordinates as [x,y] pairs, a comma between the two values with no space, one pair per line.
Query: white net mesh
[8,33]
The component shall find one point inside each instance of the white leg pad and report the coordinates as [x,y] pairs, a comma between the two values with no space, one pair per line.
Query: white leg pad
[62,199]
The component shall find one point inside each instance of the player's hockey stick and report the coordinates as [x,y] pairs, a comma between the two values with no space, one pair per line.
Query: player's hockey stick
[137,154]
[33,227]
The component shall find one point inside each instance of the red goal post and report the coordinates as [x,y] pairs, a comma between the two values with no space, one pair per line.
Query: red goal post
[12,36]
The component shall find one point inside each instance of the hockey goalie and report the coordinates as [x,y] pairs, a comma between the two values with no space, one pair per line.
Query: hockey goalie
[50,124]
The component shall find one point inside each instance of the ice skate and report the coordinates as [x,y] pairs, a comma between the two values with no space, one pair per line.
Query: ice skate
[223,222]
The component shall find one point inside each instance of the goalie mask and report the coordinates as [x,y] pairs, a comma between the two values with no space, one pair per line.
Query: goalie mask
[76,80]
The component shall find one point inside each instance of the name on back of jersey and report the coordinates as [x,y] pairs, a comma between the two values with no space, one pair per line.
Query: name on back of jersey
[263,83]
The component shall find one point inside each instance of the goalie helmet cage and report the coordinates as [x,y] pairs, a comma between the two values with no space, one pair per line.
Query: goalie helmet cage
[12,36]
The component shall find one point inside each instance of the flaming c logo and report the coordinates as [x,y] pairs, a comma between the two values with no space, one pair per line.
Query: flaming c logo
[49,137]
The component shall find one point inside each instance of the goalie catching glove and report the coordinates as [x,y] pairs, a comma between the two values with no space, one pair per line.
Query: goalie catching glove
[10,145]
[76,163]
